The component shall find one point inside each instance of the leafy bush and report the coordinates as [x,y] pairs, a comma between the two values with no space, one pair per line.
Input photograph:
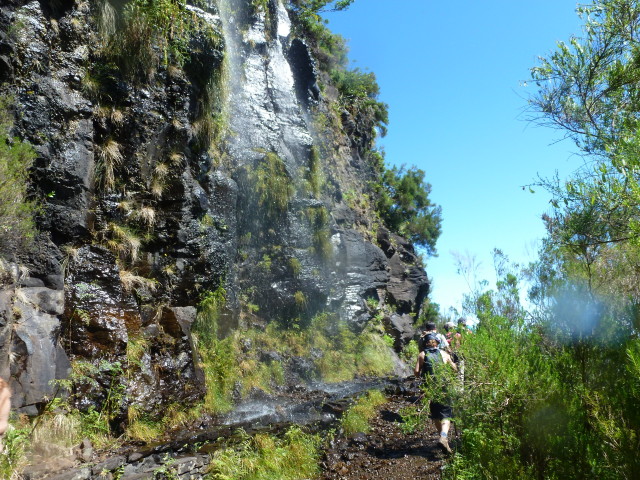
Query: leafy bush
[17,212]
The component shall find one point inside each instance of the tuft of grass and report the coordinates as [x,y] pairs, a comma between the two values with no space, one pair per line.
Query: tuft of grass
[301,300]
[131,281]
[295,265]
[141,427]
[123,241]
[157,187]
[161,170]
[109,159]
[313,176]
[356,418]
[147,215]
[292,457]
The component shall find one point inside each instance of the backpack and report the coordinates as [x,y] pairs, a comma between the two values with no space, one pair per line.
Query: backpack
[432,357]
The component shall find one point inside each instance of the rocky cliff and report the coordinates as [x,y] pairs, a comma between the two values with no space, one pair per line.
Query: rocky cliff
[197,149]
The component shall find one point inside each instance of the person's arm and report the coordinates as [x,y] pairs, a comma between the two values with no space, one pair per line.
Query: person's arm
[5,407]
[447,359]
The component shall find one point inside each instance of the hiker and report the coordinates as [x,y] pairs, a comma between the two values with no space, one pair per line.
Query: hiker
[430,328]
[453,339]
[463,327]
[426,366]
[5,406]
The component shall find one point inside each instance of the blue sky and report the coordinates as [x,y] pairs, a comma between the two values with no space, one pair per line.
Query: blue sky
[452,74]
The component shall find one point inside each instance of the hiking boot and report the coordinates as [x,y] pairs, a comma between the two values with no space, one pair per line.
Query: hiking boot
[444,443]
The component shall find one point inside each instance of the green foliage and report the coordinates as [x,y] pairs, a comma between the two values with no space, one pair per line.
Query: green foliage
[346,354]
[218,357]
[321,236]
[295,265]
[413,419]
[211,117]
[588,88]
[410,352]
[151,33]
[301,299]
[265,457]
[548,396]
[405,207]
[356,418]
[273,185]
[17,211]
[15,444]
[358,93]
[313,175]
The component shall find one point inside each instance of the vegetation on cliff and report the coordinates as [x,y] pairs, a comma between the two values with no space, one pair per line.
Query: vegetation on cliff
[17,209]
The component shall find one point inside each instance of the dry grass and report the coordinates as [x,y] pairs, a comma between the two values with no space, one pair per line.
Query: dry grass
[131,281]
[109,159]
[157,187]
[117,117]
[123,241]
[161,171]
[147,215]
[176,159]
[56,435]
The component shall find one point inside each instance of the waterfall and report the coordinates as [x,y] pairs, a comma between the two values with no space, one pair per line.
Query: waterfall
[264,114]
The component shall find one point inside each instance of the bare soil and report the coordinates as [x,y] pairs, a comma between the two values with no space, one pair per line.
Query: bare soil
[385,452]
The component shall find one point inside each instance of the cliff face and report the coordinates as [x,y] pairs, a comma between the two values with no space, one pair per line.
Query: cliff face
[162,181]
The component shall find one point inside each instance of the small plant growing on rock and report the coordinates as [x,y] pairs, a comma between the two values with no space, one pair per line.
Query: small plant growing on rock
[301,300]
[109,158]
[295,266]
[273,185]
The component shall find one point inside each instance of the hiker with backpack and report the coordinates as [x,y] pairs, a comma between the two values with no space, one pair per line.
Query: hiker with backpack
[430,360]
[430,328]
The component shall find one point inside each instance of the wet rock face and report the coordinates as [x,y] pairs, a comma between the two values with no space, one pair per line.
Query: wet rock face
[122,262]
[99,314]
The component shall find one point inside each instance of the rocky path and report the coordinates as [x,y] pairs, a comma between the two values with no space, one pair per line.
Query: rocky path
[386,452]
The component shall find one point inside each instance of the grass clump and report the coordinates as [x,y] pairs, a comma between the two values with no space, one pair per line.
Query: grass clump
[273,185]
[142,427]
[295,456]
[109,159]
[313,176]
[356,418]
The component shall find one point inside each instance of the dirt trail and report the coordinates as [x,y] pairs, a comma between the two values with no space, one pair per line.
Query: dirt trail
[385,452]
